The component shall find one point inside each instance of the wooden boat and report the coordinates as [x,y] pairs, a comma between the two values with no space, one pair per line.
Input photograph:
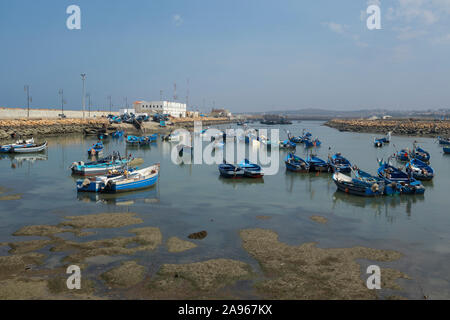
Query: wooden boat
[338,163]
[444,140]
[399,181]
[420,154]
[228,170]
[29,148]
[419,170]
[103,136]
[128,180]
[358,187]
[312,143]
[251,170]
[295,163]
[316,164]
[117,134]
[402,155]
[446,150]
[286,144]
[95,149]
[101,166]
[133,140]
[138,179]
[148,139]
[377,143]
[18,144]
[386,139]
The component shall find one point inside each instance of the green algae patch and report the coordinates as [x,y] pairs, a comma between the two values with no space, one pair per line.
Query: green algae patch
[27,246]
[128,274]
[17,263]
[148,238]
[40,288]
[40,230]
[175,245]
[263,217]
[309,272]
[207,275]
[319,219]
[102,220]
[24,289]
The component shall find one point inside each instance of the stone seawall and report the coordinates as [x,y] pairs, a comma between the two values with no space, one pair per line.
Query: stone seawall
[12,129]
[412,127]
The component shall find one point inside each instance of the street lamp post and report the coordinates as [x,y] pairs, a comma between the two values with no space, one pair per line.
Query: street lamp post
[83,78]
[110,104]
[89,104]
[61,93]
[27,90]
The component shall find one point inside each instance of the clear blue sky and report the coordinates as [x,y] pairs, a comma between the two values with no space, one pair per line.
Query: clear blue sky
[246,55]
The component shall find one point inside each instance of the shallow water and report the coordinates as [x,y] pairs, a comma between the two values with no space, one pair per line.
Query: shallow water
[191,198]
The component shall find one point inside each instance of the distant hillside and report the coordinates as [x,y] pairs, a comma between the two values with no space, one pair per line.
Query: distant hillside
[310,113]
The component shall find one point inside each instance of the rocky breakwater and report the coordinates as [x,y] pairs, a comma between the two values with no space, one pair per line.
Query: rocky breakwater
[413,127]
[12,129]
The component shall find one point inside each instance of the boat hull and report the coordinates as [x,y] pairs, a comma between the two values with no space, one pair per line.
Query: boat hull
[131,186]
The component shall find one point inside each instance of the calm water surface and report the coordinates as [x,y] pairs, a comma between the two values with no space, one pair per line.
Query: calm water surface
[191,198]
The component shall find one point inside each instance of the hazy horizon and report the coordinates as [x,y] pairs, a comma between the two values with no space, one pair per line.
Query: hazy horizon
[246,56]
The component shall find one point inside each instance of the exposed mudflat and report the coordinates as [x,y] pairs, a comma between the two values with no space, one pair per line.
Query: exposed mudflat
[288,272]
[309,272]
[175,244]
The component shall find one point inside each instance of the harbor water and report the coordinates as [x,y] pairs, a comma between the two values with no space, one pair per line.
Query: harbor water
[192,197]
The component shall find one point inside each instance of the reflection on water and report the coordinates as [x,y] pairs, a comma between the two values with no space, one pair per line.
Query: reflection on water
[240,182]
[18,160]
[378,204]
[121,199]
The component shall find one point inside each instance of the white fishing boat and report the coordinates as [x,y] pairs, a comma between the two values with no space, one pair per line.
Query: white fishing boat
[30,148]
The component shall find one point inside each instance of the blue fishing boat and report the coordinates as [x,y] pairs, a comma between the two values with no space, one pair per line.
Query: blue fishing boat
[286,144]
[101,166]
[338,163]
[369,188]
[295,163]
[419,170]
[228,170]
[251,170]
[136,180]
[148,139]
[377,143]
[419,153]
[29,148]
[117,134]
[446,150]
[102,136]
[386,139]
[444,140]
[312,143]
[398,180]
[316,164]
[18,144]
[128,180]
[402,155]
[95,149]
[133,140]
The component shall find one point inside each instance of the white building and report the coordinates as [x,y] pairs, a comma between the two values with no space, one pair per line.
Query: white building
[175,109]
[129,111]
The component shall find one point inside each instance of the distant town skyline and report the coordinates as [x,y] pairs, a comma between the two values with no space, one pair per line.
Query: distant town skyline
[245,56]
